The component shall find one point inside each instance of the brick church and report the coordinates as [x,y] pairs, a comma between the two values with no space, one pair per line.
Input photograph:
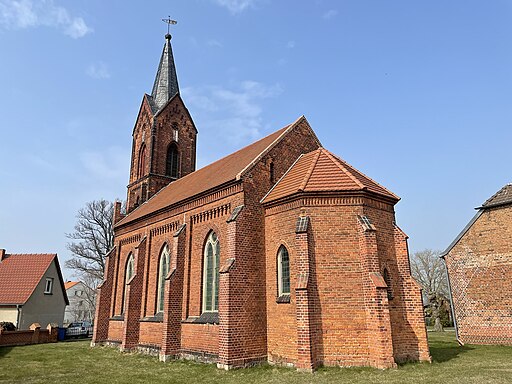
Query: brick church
[280,252]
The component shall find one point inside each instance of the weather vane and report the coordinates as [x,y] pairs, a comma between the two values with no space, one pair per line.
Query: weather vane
[169,21]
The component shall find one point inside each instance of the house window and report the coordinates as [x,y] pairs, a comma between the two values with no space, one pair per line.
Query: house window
[283,271]
[387,279]
[211,273]
[142,161]
[78,293]
[163,270]
[127,276]
[272,173]
[48,287]
[171,168]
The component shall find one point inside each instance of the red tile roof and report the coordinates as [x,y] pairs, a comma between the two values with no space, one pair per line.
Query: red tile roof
[70,284]
[227,169]
[321,171]
[20,274]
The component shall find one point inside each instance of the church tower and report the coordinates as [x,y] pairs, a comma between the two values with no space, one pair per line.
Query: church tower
[164,136]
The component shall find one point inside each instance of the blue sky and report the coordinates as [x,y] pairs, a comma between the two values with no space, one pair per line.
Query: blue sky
[416,94]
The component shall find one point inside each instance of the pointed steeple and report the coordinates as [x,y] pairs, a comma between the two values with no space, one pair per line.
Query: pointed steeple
[166,81]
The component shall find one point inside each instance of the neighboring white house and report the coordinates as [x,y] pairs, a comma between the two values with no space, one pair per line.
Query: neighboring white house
[31,289]
[81,302]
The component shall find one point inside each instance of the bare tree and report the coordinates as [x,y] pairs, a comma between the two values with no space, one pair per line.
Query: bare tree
[429,271]
[94,237]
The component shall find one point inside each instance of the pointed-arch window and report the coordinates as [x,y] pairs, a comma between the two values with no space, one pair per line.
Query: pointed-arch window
[387,279]
[142,161]
[128,274]
[171,168]
[283,271]
[211,273]
[163,270]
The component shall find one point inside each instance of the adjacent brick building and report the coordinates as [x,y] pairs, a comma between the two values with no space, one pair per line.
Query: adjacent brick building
[279,252]
[479,264]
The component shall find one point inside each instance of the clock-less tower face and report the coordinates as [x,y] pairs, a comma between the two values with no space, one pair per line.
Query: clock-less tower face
[164,136]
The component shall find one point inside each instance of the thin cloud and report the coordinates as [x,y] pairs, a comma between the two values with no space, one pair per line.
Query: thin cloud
[236,6]
[22,14]
[98,70]
[290,44]
[330,14]
[214,43]
[234,112]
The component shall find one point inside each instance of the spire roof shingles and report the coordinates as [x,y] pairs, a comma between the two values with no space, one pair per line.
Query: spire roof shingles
[166,80]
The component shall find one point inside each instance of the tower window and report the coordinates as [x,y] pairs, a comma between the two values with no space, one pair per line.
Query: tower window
[211,274]
[171,168]
[142,161]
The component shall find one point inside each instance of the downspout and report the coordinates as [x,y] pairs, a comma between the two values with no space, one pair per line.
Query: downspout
[18,315]
[451,303]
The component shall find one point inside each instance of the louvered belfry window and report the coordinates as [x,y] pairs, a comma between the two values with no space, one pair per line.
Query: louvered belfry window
[171,168]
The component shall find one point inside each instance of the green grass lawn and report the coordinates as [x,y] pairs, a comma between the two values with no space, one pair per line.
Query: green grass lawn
[76,362]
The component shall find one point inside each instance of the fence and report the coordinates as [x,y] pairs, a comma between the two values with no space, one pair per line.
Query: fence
[35,335]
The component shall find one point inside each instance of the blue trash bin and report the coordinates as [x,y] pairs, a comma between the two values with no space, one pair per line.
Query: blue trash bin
[61,335]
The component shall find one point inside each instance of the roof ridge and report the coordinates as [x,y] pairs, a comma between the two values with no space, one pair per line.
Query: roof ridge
[310,170]
[343,169]
[288,128]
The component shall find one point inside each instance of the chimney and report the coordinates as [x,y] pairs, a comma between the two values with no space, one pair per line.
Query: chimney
[3,256]
[117,212]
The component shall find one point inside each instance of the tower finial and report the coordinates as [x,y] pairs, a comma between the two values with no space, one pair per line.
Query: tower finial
[169,21]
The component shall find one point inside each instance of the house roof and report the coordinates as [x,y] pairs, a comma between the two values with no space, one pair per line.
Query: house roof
[70,284]
[500,198]
[20,274]
[321,171]
[225,170]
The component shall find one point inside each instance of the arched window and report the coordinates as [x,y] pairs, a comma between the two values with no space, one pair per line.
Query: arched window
[283,271]
[211,274]
[128,274]
[163,270]
[142,161]
[387,279]
[171,168]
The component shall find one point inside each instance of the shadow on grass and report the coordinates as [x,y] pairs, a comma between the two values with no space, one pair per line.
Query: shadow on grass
[442,351]
[4,351]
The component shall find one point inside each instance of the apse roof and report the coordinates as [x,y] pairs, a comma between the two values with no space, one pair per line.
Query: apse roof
[321,171]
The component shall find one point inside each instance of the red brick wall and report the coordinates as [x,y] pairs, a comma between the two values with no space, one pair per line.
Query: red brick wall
[25,337]
[480,270]
[115,330]
[175,114]
[339,322]
[200,338]
[150,333]
[409,338]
